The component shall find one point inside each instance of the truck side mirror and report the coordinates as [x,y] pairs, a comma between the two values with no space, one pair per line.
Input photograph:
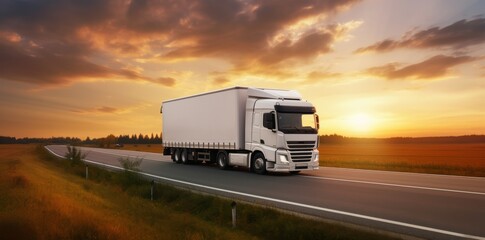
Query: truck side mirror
[269,120]
[317,121]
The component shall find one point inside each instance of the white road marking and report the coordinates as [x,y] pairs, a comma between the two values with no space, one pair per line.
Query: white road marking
[396,185]
[124,155]
[409,225]
[402,173]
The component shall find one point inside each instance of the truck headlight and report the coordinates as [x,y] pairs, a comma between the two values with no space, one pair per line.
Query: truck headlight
[284,159]
[317,158]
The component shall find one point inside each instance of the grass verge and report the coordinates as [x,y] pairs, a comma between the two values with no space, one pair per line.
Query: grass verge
[43,197]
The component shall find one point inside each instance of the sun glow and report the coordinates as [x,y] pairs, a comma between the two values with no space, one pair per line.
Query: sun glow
[360,122]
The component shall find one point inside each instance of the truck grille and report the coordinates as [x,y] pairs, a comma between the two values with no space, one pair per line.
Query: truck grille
[301,151]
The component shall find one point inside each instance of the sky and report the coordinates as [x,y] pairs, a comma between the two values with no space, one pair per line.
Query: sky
[372,68]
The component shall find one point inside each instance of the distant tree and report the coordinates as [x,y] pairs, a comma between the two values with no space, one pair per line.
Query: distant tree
[7,140]
[110,140]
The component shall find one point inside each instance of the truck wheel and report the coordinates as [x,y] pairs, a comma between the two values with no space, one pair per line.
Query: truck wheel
[184,158]
[259,163]
[222,160]
[176,156]
[172,155]
[294,172]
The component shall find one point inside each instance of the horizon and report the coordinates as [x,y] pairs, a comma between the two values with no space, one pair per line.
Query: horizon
[324,135]
[372,69]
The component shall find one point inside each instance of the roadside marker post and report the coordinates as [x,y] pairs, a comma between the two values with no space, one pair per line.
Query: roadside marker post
[233,205]
[87,172]
[151,190]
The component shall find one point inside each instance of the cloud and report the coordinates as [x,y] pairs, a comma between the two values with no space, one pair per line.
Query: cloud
[317,76]
[106,109]
[220,81]
[40,66]
[67,41]
[435,67]
[101,110]
[460,34]
[166,81]
[37,65]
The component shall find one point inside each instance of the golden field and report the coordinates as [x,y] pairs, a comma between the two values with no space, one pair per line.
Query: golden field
[458,159]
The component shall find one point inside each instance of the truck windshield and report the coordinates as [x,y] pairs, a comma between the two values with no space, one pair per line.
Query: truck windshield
[297,123]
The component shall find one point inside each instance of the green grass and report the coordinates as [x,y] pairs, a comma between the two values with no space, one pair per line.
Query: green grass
[45,197]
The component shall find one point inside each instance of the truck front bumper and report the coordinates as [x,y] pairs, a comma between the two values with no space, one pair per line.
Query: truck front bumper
[289,166]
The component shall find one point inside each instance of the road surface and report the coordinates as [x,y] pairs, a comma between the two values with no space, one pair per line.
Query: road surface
[420,205]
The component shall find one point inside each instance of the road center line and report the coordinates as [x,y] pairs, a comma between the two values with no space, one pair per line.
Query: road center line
[445,232]
[397,185]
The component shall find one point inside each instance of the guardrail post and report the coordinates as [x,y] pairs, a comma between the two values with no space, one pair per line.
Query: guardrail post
[87,172]
[233,205]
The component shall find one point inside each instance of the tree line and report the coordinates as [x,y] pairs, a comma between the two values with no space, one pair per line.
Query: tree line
[111,140]
[107,141]
[339,139]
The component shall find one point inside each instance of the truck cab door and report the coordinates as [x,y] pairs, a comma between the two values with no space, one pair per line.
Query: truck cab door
[268,135]
[256,128]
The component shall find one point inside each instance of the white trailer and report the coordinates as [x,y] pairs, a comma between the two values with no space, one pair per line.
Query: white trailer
[261,129]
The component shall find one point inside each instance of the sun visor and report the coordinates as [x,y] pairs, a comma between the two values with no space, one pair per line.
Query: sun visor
[294,109]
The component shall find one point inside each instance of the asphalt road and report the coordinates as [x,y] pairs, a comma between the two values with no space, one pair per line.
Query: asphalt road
[420,205]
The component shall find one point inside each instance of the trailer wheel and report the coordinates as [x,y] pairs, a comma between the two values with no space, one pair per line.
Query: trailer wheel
[176,156]
[222,160]
[184,158]
[172,155]
[259,163]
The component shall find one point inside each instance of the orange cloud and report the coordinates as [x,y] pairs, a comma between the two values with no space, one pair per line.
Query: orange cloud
[220,81]
[68,41]
[241,32]
[457,35]
[102,109]
[167,81]
[435,67]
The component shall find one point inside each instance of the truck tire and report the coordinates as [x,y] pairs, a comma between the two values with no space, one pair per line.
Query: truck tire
[172,155]
[294,172]
[222,160]
[176,156]
[259,163]
[184,158]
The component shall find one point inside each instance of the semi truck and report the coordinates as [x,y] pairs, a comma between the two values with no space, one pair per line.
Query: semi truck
[256,128]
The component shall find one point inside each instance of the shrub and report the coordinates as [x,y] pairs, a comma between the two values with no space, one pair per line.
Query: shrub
[75,155]
[131,168]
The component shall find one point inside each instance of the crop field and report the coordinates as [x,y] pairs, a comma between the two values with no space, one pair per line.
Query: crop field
[458,159]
